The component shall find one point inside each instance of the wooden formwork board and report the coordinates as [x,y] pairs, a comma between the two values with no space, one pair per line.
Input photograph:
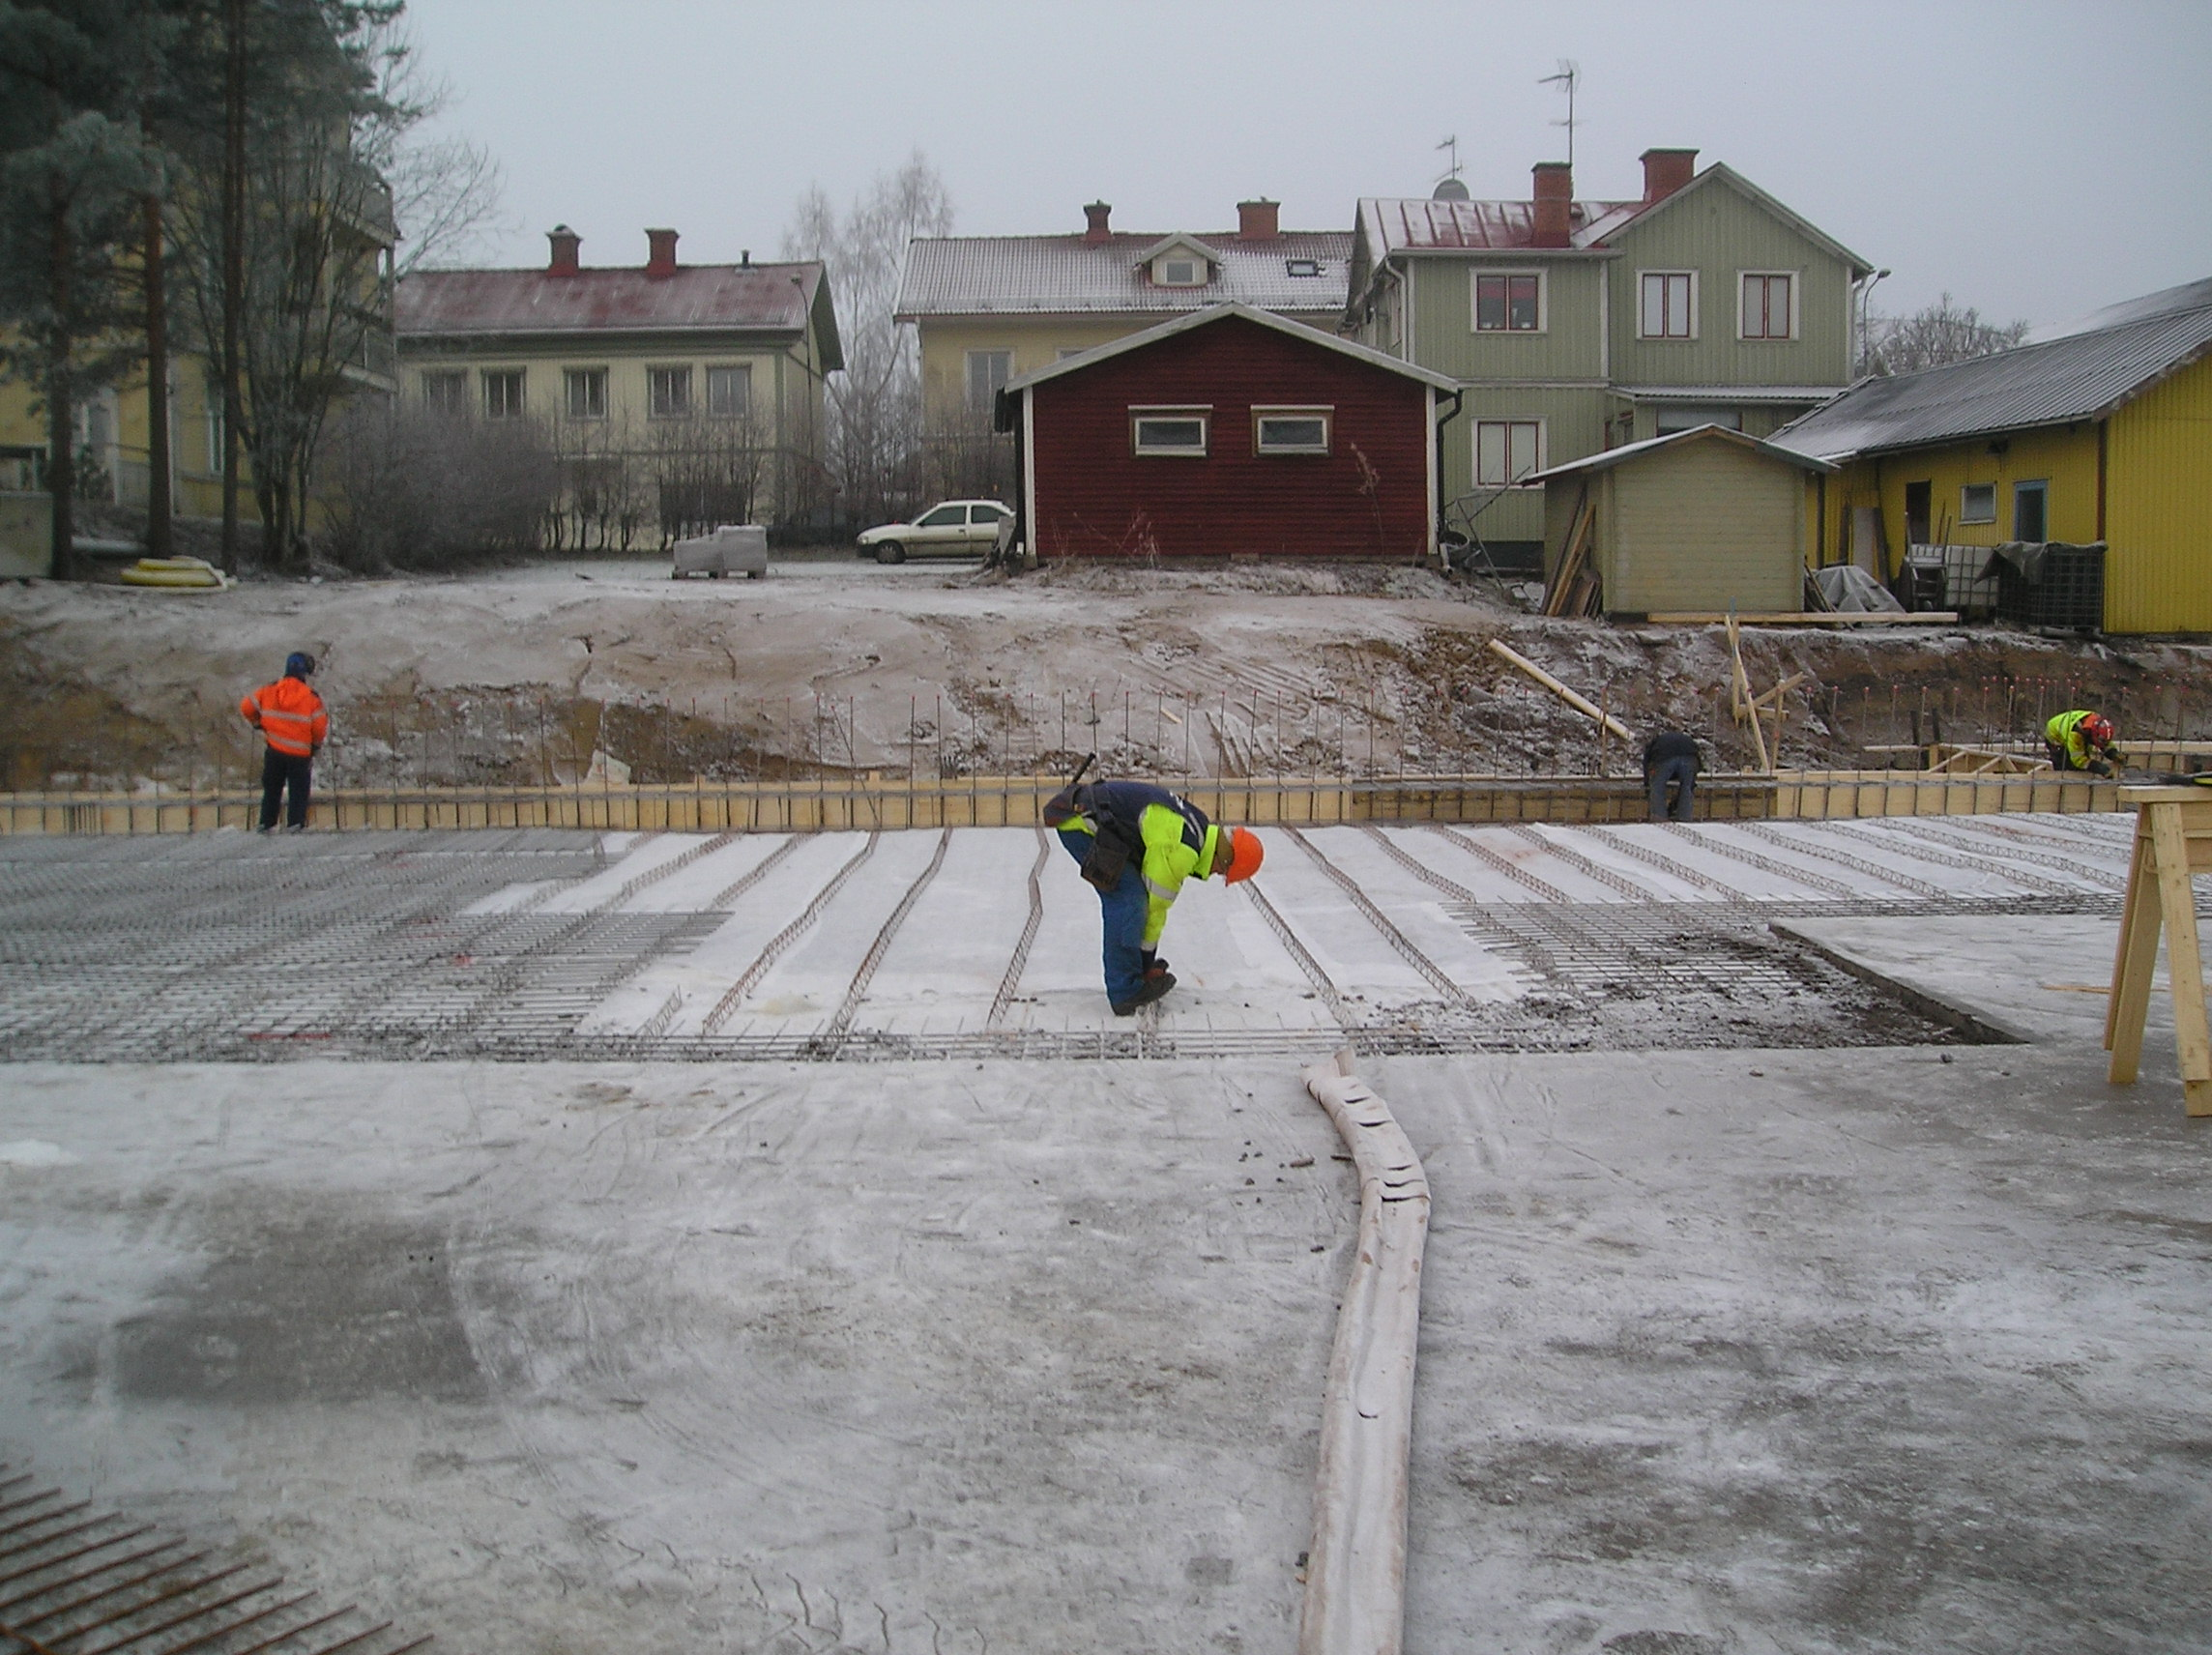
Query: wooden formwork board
[871,804]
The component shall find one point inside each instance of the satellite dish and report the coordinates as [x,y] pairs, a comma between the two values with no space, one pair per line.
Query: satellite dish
[1449,190]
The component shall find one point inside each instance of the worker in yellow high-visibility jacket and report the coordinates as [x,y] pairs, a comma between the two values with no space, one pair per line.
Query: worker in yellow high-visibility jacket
[1137,844]
[2081,741]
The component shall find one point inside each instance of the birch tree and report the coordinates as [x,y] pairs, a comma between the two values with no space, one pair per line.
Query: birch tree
[875,404]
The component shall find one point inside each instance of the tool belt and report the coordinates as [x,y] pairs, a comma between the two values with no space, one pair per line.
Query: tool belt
[1110,851]
[1111,846]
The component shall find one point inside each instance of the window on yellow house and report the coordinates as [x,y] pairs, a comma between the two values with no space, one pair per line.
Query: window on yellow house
[587,389]
[668,393]
[729,392]
[446,391]
[1978,503]
[502,393]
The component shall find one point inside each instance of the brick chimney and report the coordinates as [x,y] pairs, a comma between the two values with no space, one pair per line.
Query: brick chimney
[1095,233]
[1258,220]
[1555,187]
[564,242]
[1666,171]
[660,256]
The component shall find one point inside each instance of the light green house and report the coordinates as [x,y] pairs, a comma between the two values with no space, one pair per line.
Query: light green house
[1573,326]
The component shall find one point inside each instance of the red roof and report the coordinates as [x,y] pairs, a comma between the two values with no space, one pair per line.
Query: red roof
[709,297]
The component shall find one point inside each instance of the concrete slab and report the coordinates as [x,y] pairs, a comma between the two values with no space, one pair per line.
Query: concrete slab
[1749,1351]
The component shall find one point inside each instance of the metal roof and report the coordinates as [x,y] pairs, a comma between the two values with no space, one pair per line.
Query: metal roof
[1212,313]
[2188,296]
[1014,275]
[1421,224]
[2078,376]
[1608,458]
[1389,225]
[1724,393]
[708,297]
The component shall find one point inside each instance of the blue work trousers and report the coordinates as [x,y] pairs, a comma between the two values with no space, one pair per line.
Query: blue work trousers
[1682,772]
[1123,910]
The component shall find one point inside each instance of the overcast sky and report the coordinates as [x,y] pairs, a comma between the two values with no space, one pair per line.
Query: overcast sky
[2036,159]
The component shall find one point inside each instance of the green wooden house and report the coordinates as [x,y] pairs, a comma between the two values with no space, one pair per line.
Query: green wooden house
[1573,326]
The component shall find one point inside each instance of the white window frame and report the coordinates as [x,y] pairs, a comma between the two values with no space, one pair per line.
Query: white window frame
[1141,416]
[1668,339]
[522,378]
[574,377]
[1988,517]
[1474,280]
[1743,278]
[1201,269]
[446,377]
[968,366]
[1324,413]
[654,410]
[745,371]
[1474,449]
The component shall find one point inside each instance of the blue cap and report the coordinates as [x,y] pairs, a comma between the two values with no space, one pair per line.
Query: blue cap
[299,664]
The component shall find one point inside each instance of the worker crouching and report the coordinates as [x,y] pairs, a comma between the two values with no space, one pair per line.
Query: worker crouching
[292,720]
[2081,741]
[1136,844]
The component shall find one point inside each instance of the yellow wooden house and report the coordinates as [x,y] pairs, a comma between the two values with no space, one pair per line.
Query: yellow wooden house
[2101,431]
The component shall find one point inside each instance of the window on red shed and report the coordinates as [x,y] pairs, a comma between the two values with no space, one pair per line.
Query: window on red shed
[1176,433]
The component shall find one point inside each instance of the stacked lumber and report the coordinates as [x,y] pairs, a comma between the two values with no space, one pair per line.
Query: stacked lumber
[1573,588]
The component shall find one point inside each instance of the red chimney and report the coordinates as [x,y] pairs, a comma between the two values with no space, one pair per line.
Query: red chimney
[1666,171]
[661,260]
[1095,233]
[1257,221]
[1554,184]
[564,242]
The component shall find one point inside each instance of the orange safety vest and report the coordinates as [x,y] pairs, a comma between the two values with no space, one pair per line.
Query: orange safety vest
[289,714]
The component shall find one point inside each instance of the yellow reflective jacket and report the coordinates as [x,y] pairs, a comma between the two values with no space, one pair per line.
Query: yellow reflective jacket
[1177,840]
[2064,732]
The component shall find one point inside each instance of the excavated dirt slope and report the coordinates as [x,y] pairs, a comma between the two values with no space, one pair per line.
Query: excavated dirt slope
[521,675]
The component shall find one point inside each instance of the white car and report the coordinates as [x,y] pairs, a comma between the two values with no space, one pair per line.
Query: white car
[952,528]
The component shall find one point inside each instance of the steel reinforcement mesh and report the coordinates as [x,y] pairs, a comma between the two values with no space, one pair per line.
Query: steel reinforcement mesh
[236,947]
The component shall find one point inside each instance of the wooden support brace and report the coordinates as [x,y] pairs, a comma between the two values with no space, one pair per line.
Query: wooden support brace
[1580,704]
[2173,842]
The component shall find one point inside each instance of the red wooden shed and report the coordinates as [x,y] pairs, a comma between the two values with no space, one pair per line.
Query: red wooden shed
[1227,431]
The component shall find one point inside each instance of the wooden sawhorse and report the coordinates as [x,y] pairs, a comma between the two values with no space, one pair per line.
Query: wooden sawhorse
[2173,840]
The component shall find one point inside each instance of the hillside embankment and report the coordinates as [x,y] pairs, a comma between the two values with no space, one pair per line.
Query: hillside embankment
[523,675]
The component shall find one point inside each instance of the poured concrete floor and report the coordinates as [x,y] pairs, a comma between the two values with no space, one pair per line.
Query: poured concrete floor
[1882,1347]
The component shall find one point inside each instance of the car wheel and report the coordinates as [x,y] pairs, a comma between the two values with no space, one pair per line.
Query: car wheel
[890,552]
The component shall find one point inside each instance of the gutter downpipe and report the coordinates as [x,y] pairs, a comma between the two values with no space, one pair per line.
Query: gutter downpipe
[1457,397]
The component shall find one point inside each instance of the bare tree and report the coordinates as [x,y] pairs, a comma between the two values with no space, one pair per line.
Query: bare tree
[875,405]
[1944,331]
[445,190]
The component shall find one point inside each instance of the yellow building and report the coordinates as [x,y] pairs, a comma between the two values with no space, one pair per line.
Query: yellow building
[2102,433]
[676,394]
[989,308]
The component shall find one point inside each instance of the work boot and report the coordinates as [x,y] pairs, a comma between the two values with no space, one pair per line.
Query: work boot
[1154,987]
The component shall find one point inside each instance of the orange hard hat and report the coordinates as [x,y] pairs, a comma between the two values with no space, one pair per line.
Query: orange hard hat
[1246,854]
[2097,727]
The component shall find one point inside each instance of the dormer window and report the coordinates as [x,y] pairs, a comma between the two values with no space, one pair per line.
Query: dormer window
[1178,261]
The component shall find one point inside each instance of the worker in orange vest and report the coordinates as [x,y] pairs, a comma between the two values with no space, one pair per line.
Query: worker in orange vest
[292,719]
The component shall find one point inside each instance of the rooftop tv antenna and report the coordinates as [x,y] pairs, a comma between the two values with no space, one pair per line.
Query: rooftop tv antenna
[1569,75]
[1452,144]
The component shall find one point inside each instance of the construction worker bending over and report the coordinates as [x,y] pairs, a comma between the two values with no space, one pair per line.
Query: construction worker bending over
[1672,759]
[1137,844]
[292,720]
[2080,741]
